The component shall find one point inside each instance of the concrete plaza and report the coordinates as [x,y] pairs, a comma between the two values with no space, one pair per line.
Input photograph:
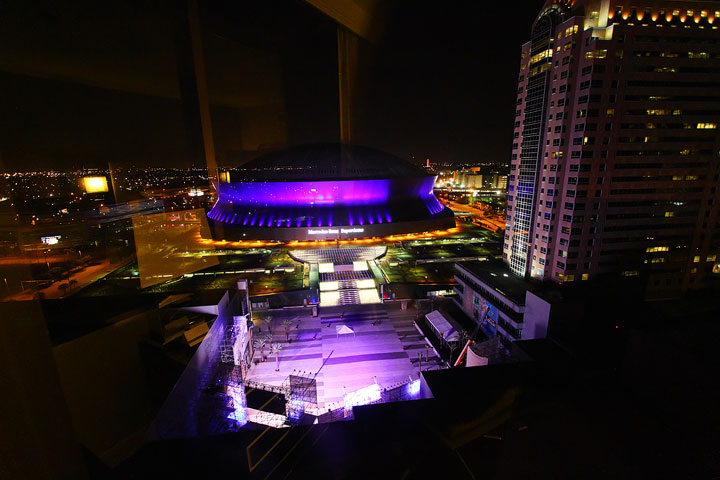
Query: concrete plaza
[385,346]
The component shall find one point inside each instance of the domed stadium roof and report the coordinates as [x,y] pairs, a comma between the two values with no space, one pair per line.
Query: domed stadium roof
[328,161]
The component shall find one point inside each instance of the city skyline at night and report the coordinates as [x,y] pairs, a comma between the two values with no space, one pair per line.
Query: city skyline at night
[347,239]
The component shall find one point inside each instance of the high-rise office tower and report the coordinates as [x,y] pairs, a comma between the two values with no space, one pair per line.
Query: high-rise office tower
[615,155]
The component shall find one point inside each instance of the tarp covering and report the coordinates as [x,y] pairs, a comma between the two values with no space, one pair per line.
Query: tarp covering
[442,326]
[344,330]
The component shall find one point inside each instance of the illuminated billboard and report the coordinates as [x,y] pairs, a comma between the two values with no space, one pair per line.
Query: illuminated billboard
[95,184]
[51,240]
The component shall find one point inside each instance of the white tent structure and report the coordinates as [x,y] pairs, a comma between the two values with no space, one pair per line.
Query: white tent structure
[344,330]
[442,327]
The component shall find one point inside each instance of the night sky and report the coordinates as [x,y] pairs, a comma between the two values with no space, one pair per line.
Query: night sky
[88,84]
[446,81]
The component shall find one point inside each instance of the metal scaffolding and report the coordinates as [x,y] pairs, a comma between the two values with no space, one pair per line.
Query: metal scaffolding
[228,344]
[302,395]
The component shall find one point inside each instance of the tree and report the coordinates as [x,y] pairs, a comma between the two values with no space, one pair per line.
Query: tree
[286,325]
[268,322]
[275,349]
[260,343]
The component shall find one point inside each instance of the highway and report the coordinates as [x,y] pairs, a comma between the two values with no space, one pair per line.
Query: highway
[478,214]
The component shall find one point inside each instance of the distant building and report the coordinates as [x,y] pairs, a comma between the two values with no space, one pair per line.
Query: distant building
[464,179]
[473,179]
[502,304]
[614,165]
[495,181]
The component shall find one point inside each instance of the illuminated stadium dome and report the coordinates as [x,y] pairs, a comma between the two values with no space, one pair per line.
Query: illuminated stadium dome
[326,192]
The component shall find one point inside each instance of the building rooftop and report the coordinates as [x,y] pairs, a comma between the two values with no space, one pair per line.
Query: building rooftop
[497,275]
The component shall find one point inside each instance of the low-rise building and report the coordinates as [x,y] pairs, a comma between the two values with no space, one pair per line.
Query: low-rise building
[502,304]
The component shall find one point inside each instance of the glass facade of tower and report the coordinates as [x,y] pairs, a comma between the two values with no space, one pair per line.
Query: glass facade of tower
[533,127]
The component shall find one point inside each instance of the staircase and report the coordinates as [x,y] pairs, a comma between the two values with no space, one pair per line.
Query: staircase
[349,296]
[347,284]
[353,286]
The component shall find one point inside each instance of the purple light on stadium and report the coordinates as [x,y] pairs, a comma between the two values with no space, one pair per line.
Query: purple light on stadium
[325,193]
[323,203]
[425,188]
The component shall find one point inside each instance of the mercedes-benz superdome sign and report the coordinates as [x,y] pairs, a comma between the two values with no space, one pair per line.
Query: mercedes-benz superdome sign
[334,231]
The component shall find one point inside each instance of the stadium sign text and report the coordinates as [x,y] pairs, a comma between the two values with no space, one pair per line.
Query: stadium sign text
[334,231]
